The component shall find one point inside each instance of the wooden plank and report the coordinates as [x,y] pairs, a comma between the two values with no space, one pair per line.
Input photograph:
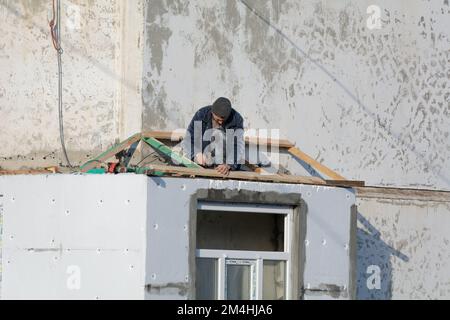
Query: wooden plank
[281,143]
[110,153]
[238,175]
[294,151]
[157,145]
[25,172]
[402,194]
[345,183]
[177,137]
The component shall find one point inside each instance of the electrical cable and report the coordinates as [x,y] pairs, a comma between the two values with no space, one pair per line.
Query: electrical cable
[55,30]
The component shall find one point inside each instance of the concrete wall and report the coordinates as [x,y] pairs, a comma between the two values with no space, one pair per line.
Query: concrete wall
[405,235]
[372,104]
[130,234]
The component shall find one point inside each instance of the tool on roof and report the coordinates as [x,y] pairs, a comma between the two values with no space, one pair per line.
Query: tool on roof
[123,152]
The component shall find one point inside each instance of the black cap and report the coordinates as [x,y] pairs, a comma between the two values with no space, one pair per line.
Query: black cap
[222,108]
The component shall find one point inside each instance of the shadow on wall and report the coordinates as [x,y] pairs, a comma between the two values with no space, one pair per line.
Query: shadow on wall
[396,137]
[309,169]
[373,263]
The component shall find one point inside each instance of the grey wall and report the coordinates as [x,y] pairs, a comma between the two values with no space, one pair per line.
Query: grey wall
[406,234]
[102,65]
[371,104]
[327,248]
[403,232]
[55,246]
[132,234]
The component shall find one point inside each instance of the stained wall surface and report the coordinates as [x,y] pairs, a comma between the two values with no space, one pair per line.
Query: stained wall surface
[97,78]
[371,103]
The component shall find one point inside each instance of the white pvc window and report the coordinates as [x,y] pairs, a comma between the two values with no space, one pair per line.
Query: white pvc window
[245,274]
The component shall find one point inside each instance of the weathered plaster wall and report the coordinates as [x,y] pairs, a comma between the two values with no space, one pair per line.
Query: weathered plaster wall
[371,104]
[97,77]
[404,234]
[114,236]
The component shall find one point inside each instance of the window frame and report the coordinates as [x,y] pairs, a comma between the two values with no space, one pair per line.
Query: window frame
[257,257]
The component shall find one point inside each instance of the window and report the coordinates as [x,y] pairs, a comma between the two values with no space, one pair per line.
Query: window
[243,251]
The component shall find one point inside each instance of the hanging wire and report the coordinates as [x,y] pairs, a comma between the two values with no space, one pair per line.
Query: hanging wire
[55,31]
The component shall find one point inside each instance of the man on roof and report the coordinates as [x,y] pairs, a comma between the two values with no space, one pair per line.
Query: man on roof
[215,137]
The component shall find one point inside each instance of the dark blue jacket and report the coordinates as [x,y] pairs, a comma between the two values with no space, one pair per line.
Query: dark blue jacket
[234,121]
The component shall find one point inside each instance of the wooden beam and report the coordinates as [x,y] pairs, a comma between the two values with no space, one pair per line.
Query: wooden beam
[110,153]
[345,183]
[177,137]
[294,151]
[281,143]
[238,175]
[164,135]
[25,172]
